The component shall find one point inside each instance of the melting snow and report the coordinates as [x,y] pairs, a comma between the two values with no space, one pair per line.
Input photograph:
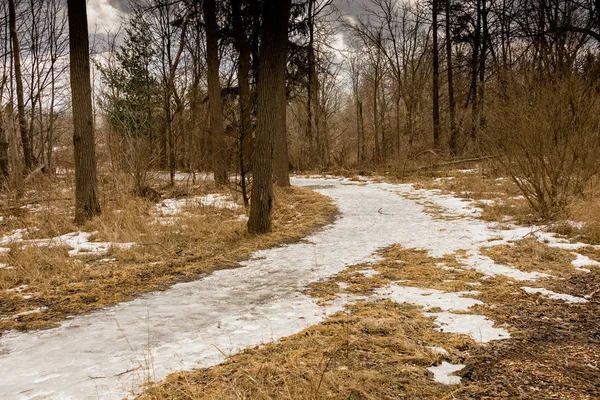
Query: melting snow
[584,261]
[443,373]
[78,242]
[175,206]
[438,350]
[197,323]
[478,327]
[553,295]
[429,298]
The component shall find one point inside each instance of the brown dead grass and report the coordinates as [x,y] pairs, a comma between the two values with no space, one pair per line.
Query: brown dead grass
[532,255]
[379,349]
[204,240]
[409,266]
[375,350]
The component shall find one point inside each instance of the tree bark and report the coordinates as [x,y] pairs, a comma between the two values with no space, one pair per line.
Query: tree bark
[312,92]
[436,78]
[271,100]
[243,75]
[214,91]
[451,100]
[23,129]
[474,70]
[86,185]
[482,59]
[281,162]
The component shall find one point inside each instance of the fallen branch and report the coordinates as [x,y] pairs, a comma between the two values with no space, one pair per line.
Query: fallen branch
[444,164]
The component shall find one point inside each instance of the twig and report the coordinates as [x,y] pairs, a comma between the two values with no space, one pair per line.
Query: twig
[382,213]
[128,371]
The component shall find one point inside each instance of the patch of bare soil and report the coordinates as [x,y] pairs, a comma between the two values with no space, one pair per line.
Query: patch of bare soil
[555,349]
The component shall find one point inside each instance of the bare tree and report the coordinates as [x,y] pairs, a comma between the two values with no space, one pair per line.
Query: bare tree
[436,76]
[27,151]
[451,100]
[214,90]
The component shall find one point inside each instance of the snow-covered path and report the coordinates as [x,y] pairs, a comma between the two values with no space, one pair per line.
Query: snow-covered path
[104,354]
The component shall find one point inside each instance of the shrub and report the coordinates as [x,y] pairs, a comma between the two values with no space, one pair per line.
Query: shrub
[546,136]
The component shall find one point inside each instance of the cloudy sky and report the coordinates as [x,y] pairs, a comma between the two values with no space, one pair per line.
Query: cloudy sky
[106,14]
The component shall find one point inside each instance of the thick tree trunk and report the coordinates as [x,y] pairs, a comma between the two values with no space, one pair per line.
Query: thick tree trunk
[24,131]
[86,185]
[451,100]
[214,91]
[271,100]
[436,78]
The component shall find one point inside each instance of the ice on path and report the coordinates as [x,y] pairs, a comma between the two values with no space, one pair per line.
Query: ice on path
[194,324]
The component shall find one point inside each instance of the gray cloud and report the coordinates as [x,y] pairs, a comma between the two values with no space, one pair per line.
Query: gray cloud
[121,5]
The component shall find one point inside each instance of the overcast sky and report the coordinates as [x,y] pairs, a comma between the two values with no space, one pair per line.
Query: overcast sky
[106,14]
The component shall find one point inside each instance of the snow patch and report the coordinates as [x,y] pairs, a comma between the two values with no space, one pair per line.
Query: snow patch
[488,267]
[553,295]
[428,298]
[438,350]
[478,327]
[443,373]
[583,261]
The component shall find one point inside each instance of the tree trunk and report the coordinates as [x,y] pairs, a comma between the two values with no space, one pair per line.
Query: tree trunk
[474,68]
[313,134]
[482,59]
[360,132]
[86,185]
[214,91]
[271,100]
[436,78]
[24,131]
[243,74]
[3,147]
[451,100]
[281,162]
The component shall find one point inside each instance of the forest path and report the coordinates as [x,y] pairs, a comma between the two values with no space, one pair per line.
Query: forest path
[107,354]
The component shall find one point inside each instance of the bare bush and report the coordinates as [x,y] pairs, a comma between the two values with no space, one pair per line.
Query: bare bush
[545,135]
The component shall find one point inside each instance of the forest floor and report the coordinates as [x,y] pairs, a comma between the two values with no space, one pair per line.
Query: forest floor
[413,292]
[52,270]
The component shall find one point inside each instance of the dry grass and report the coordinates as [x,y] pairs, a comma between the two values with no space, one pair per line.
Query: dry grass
[202,240]
[376,350]
[409,266]
[531,255]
